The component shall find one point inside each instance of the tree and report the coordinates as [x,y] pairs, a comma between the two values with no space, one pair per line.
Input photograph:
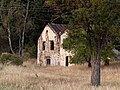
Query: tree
[15,23]
[6,23]
[6,16]
[21,42]
[93,26]
[40,15]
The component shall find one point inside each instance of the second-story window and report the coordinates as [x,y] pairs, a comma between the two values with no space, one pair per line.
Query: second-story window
[43,45]
[51,45]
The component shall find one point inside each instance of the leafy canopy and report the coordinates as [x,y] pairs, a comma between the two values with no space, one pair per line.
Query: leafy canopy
[93,27]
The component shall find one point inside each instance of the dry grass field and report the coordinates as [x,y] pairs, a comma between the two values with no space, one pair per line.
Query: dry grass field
[33,77]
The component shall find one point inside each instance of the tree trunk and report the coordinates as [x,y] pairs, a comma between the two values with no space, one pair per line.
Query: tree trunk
[9,39]
[23,32]
[20,44]
[6,28]
[95,74]
[9,32]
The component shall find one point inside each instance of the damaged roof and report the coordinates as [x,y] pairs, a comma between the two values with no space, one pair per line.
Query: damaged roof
[58,28]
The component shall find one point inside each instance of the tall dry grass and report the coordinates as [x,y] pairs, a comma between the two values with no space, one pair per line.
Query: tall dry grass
[33,77]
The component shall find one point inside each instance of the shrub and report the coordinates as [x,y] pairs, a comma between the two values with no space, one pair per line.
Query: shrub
[32,51]
[7,58]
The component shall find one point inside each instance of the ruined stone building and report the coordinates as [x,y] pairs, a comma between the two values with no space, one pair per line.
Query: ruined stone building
[49,50]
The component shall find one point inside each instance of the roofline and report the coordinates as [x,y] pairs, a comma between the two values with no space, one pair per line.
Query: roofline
[53,29]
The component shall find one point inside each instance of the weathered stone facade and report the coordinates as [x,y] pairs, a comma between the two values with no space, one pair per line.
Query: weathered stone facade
[50,51]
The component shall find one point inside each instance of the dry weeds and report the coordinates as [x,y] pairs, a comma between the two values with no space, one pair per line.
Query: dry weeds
[34,77]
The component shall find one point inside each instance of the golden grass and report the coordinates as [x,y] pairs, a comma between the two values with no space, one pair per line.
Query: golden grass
[34,77]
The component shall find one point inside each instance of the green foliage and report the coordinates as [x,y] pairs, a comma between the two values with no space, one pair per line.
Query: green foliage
[92,29]
[7,58]
[107,53]
[81,54]
[32,51]
[77,44]
[89,21]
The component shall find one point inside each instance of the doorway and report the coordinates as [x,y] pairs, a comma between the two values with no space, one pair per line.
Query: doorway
[48,61]
[67,61]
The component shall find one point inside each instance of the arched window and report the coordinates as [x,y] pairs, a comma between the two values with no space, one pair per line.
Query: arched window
[43,45]
[46,31]
[51,45]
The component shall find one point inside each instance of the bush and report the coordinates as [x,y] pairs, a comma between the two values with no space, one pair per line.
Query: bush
[7,58]
[32,51]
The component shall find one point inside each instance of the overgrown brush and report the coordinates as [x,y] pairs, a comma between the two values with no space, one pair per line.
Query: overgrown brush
[8,58]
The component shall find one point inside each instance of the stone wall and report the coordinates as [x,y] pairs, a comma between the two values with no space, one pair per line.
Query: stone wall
[56,56]
[47,36]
